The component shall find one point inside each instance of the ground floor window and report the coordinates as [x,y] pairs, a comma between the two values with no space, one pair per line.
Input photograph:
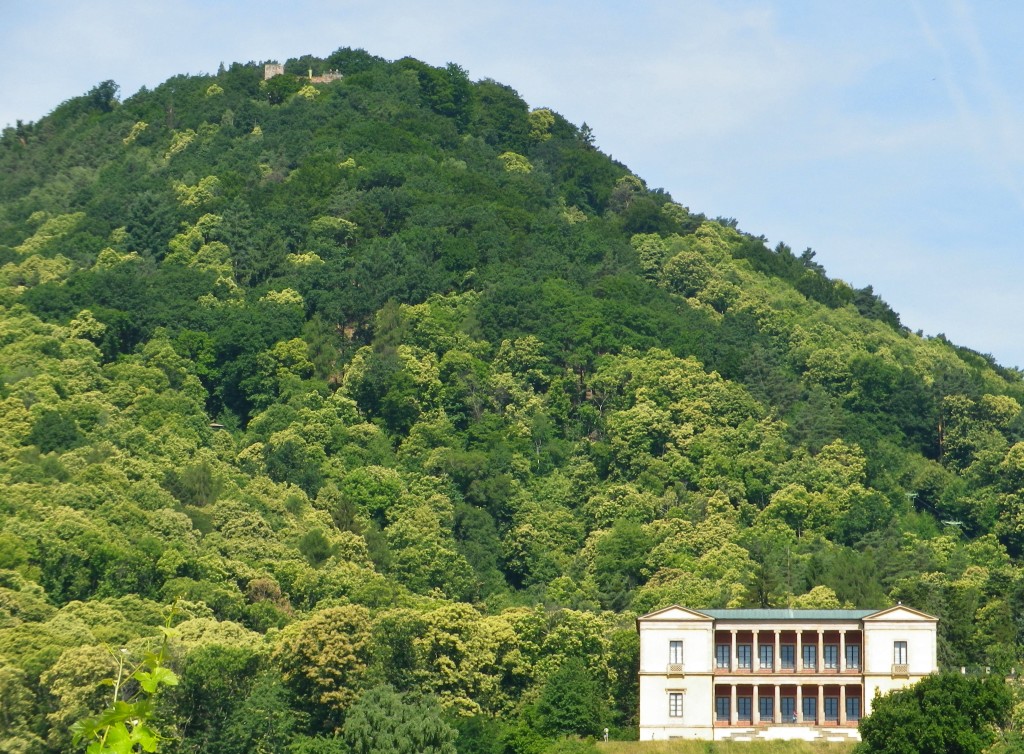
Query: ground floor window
[831,707]
[743,708]
[675,705]
[787,706]
[853,708]
[766,709]
[810,709]
[722,709]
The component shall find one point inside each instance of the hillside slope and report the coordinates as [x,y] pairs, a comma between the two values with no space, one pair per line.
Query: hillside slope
[394,380]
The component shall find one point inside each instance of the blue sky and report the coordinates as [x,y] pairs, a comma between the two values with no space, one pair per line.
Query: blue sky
[886,135]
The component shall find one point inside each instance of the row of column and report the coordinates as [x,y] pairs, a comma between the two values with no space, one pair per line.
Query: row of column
[797,660]
[755,706]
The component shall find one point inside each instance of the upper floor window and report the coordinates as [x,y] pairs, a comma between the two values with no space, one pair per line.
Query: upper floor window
[743,655]
[766,656]
[675,652]
[831,656]
[721,655]
[853,655]
[899,652]
[675,705]
[810,657]
[787,656]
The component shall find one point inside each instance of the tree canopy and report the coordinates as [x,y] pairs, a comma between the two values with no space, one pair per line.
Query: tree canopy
[413,399]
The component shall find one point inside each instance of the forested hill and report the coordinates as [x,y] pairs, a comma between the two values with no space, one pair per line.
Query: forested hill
[394,380]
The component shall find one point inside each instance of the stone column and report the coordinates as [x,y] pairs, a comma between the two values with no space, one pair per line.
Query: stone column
[798,661]
[777,709]
[755,660]
[777,657]
[755,706]
[842,651]
[732,653]
[732,700]
[799,703]
[821,704]
[821,650]
[842,704]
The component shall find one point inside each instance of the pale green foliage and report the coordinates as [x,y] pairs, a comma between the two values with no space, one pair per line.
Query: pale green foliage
[284,297]
[541,120]
[325,656]
[110,258]
[686,273]
[675,212]
[194,248]
[515,163]
[200,195]
[51,229]
[818,598]
[137,128]
[334,228]
[651,252]
[305,260]
[308,92]
[620,501]
[424,555]
[74,681]
[35,270]
[16,707]
[179,142]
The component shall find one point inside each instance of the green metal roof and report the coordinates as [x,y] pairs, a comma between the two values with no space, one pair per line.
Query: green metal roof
[770,614]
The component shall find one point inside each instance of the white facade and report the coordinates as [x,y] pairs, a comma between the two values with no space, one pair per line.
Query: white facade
[744,674]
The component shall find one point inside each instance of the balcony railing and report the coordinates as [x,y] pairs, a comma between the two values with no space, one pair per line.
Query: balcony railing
[675,668]
[900,670]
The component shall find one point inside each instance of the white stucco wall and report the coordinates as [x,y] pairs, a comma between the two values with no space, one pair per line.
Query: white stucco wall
[654,707]
[695,682]
[698,645]
[880,637]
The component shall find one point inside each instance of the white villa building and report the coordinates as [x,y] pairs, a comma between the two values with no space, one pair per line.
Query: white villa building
[789,674]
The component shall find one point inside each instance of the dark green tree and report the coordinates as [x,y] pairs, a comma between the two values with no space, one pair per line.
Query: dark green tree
[383,721]
[572,701]
[941,714]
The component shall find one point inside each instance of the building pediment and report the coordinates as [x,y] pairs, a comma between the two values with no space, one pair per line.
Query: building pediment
[900,613]
[675,613]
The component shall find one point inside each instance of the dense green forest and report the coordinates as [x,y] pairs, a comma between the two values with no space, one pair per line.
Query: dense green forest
[409,400]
